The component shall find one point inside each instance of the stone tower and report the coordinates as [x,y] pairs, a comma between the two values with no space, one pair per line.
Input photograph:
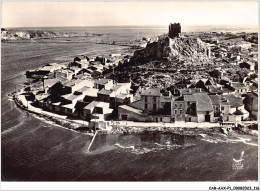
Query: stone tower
[174,30]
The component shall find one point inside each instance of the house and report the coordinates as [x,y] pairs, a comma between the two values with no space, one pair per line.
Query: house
[238,87]
[129,113]
[204,108]
[41,99]
[68,103]
[178,109]
[118,94]
[51,67]
[228,108]
[64,74]
[195,107]
[97,110]
[48,83]
[190,113]
[150,100]
[73,85]
[107,84]
[152,106]
[105,95]
[83,63]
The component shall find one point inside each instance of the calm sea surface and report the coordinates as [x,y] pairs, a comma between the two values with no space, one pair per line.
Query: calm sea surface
[35,150]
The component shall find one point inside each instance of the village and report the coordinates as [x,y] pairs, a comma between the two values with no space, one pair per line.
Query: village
[216,84]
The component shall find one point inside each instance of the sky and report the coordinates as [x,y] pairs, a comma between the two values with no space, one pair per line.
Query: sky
[51,14]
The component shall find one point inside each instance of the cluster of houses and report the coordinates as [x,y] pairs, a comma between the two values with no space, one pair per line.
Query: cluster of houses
[88,98]
[85,99]
[232,49]
[81,67]
[187,105]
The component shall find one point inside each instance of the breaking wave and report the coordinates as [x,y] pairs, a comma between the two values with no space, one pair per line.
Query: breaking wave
[238,140]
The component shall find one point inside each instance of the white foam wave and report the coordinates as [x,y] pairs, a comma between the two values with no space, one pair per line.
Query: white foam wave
[239,140]
[203,135]
[124,147]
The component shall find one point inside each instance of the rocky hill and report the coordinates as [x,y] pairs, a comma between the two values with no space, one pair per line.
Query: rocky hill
[180,48]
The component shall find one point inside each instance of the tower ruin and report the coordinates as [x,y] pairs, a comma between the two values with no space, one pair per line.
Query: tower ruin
[174,30]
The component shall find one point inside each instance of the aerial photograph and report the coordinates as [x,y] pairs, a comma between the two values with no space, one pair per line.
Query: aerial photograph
[129,91]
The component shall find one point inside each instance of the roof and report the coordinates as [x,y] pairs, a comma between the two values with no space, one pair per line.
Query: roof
[191,90]
[116,87]
[46,68]
[128,108]
[214,89]
[69,106]
[94,104]
[151,92]
[57,103]
[105,92]
[81,90]
[215,99]
[237,85]
[50,82]
[189,98]
[102,81]
[166,99]
[238,112]
[91,92]
[122,96]
[71,83]
[203,102]
[226,90]
[41,96]
[233,100]
[72,97]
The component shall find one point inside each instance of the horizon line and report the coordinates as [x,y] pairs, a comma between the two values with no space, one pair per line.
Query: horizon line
[256,25]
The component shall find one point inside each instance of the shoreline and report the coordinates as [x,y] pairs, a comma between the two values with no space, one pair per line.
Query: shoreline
[125,127]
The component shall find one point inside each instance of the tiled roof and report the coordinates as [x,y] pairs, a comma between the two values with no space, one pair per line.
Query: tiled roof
[233,100]
[189,98]
[203,102]
[215,99]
